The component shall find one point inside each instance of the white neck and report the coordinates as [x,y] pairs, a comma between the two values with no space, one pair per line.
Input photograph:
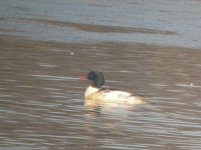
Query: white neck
[90,90]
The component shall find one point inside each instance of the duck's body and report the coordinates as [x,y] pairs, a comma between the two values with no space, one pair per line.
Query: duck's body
[95,92]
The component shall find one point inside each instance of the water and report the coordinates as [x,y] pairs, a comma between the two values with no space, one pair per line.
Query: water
[152,22]
[45,47]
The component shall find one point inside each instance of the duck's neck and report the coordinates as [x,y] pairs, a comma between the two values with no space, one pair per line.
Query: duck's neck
[90,90]
[98,82]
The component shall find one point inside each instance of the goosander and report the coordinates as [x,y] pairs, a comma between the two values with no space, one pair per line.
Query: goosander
[96,92]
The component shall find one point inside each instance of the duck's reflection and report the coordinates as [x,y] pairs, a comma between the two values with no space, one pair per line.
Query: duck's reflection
[94,107]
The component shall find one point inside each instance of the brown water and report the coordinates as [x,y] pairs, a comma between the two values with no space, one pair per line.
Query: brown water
[41,97]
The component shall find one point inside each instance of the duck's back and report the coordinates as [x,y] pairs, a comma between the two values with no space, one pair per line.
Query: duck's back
[112,95]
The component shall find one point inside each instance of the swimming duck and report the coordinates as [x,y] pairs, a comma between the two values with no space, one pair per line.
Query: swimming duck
[96,92]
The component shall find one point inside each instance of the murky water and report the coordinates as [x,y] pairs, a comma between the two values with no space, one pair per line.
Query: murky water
[41,98]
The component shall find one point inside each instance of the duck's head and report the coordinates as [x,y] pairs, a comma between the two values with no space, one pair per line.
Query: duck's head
[97,78]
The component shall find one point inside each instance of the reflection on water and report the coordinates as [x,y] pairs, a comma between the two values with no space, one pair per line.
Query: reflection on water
[42,103]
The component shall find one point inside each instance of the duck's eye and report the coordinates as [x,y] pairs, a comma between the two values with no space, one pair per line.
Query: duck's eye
[92,76]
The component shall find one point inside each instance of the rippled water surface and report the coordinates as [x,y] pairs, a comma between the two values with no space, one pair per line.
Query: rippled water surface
[41,57]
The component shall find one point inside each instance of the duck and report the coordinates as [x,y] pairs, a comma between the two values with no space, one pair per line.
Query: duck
[96,92]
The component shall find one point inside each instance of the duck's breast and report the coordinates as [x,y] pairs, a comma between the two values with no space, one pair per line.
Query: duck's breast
[90,91]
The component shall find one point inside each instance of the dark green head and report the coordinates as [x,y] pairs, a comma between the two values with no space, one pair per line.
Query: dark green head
[97,78]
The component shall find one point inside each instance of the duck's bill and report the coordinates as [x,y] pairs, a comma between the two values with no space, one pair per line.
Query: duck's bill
[83,78]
